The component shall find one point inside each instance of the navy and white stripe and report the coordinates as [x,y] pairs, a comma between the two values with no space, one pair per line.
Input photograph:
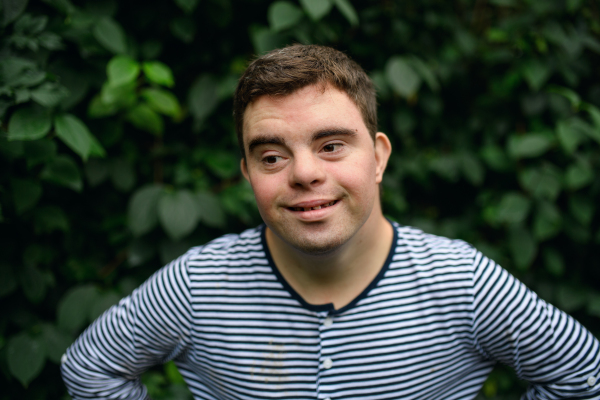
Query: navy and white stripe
[430,326]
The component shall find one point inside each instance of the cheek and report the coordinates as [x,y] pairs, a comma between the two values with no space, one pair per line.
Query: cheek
[362,179]
[265,192]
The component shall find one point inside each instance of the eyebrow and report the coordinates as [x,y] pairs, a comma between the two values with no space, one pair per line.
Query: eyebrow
[268,139]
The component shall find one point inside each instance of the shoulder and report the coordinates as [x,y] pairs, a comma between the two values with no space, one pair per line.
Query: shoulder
[418,243]
[228,248]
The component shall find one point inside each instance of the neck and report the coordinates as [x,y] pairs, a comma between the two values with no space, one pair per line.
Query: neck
[340,275]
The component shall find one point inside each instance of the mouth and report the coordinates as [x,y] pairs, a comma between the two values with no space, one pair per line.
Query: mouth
[313,208]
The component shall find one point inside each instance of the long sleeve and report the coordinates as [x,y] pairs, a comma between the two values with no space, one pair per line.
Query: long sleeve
[545,346]
[148,327]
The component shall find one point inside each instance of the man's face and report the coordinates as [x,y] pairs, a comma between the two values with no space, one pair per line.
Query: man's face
[313,167]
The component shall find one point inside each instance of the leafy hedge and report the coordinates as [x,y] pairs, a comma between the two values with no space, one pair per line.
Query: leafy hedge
[118,149]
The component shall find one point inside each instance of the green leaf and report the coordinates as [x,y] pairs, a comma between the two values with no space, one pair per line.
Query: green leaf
[425,71]
[74,307]
[122,70]
[178,213]
[122,175]
[472,168]
[39,151]
[142,213]
[55,342]
[226,87]
[50,41]
[579,175]
[188,6]
[446,165]
[264,39]
[495,157]
[554,262]
[202,98]
[96,171]
[140,251]
[158,73]
[75,134]
[8,280]
[542,183]
[283,15]
[12,9]
[536,73]
[513,208]
[122,96]
[63,171]
[98,109]
[49,94]
[169,250]
[570,299]
[33,282]
[145,118]
[101,303]
[110,35]
[594,114]
[22,95]
[13,68]
[522,246]
[593,307]
[347,11]
[582,208]
[496,35]
[224,164]
[547,222]
[49,219]
[570,95]
[162,101]
[183,28]
[173,374]
[569,135]
[316,9]
[593,132]
[25,357]
[402,77]
[96,148]
[210,211]
[528,145]
[26,194]
[30,77]
[29,124]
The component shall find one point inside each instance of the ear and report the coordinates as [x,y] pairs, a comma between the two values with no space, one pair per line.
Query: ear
[383,149]
[244,169]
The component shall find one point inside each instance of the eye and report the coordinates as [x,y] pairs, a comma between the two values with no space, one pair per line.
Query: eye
[271,159]
[331,147]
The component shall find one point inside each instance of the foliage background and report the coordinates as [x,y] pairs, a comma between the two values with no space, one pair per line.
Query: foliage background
[118,152]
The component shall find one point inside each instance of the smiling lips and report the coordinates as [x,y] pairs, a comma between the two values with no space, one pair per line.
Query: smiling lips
[313,208]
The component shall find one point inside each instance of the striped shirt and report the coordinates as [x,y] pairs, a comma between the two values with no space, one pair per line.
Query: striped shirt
[431,325]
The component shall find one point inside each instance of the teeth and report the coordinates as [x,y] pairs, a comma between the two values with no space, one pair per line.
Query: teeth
[313,208]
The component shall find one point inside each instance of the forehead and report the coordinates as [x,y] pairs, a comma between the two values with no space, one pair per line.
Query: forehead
[309,108]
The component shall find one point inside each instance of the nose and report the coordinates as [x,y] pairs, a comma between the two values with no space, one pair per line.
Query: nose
[307,170]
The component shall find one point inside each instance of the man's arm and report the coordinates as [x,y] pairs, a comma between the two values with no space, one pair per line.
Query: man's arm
[545,346]
[146,328]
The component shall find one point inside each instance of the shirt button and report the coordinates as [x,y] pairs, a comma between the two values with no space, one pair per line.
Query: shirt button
[329,398]
[591,381]
[327,363]
[63,359]
[327,322]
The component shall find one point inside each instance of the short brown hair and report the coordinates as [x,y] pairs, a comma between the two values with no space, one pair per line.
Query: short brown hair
[283,71]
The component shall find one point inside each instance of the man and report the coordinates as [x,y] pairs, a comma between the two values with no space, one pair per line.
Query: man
[328,299]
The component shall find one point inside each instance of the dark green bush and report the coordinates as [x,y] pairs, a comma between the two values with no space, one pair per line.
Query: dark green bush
[118,152]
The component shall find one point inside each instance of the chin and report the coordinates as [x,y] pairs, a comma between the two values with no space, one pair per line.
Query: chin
[312,247]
